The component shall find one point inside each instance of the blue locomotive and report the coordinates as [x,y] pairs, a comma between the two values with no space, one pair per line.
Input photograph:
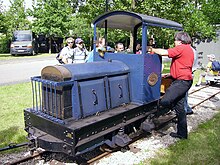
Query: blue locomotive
[78,107]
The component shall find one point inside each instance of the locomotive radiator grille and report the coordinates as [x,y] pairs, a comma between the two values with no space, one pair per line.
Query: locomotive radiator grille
[52,99]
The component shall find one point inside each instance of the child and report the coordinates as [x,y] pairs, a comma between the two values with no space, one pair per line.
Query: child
[209,70]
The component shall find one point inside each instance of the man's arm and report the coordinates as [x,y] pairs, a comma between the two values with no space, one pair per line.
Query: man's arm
[162,52]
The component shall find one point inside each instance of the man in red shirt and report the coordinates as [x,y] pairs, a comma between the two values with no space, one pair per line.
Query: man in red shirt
[181,71]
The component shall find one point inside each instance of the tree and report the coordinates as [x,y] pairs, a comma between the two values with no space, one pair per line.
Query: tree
[16,17]
[211,8]
[195,16]
[80,28]
[3,26]
[51,17]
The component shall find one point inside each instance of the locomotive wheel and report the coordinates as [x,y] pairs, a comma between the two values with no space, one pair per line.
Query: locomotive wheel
[105,148]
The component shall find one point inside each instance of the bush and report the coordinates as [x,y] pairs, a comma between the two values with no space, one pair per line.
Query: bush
[4,44]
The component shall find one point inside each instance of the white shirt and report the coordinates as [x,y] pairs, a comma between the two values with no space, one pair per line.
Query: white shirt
[79,55]
[67,54]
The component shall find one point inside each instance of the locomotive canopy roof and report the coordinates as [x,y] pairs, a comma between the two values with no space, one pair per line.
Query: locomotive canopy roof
[128,20]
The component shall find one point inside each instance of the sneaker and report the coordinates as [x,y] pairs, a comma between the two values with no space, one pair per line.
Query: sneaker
[197,85]
[175,135]
[189,113]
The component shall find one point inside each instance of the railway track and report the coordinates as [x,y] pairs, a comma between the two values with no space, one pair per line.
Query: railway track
[201,94]
[197,96]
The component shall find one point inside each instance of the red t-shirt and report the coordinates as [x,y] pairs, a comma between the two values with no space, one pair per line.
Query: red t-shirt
[182,62]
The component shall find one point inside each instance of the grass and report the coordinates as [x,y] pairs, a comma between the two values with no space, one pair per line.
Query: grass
[202,147]
[14,99]
[10,57]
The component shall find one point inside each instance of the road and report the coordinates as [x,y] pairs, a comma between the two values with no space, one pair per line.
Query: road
[20,70]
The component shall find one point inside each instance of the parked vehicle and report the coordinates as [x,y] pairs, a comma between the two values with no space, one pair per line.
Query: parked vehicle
[23,42]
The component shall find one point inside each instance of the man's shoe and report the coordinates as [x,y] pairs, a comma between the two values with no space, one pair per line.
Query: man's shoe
[189,113]
[175,135]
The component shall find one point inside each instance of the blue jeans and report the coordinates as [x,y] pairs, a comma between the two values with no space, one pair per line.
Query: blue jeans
[174,98]
[187,108]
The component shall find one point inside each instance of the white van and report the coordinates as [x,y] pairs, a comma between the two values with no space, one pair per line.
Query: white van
[23,42]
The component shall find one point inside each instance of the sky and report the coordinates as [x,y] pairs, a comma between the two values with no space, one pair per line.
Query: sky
[28,3]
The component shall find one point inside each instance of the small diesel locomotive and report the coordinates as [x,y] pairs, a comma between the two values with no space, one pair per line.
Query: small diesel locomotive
[78,107]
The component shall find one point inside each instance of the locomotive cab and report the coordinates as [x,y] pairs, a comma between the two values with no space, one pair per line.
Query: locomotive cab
[145,68]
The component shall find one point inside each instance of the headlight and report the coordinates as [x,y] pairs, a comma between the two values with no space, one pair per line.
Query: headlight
[29,46]
[12,46]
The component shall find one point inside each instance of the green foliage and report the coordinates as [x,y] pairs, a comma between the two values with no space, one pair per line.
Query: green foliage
[91,9]
[194,20]
[58,17]
[13,19]
[4,44]
[3,26]
[80,28]
[51,17]
[16,17]
[211,9]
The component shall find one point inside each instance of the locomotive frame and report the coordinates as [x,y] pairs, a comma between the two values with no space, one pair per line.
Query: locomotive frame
[78,107]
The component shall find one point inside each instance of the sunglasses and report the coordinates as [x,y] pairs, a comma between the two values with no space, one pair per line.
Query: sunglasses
[69,42]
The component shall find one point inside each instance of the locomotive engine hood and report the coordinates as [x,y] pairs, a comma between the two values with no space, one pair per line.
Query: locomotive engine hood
[92,88]
[84,71]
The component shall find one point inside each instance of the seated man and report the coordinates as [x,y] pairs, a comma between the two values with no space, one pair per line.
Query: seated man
[119,48]
[151,43]
[209,71]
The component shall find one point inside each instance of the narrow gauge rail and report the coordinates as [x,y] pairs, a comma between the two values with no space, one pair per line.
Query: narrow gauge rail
[196,97]
[202,94]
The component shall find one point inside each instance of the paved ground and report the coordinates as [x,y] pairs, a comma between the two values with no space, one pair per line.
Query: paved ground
[20,70]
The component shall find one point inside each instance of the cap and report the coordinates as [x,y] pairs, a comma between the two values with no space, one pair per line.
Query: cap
[211,56]
[78,40]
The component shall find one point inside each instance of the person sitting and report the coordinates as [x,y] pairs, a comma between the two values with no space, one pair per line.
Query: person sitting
[138,49]
[119,48]
[151,43]
[100,45]
[128,50]
[209,71]
[79,52]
